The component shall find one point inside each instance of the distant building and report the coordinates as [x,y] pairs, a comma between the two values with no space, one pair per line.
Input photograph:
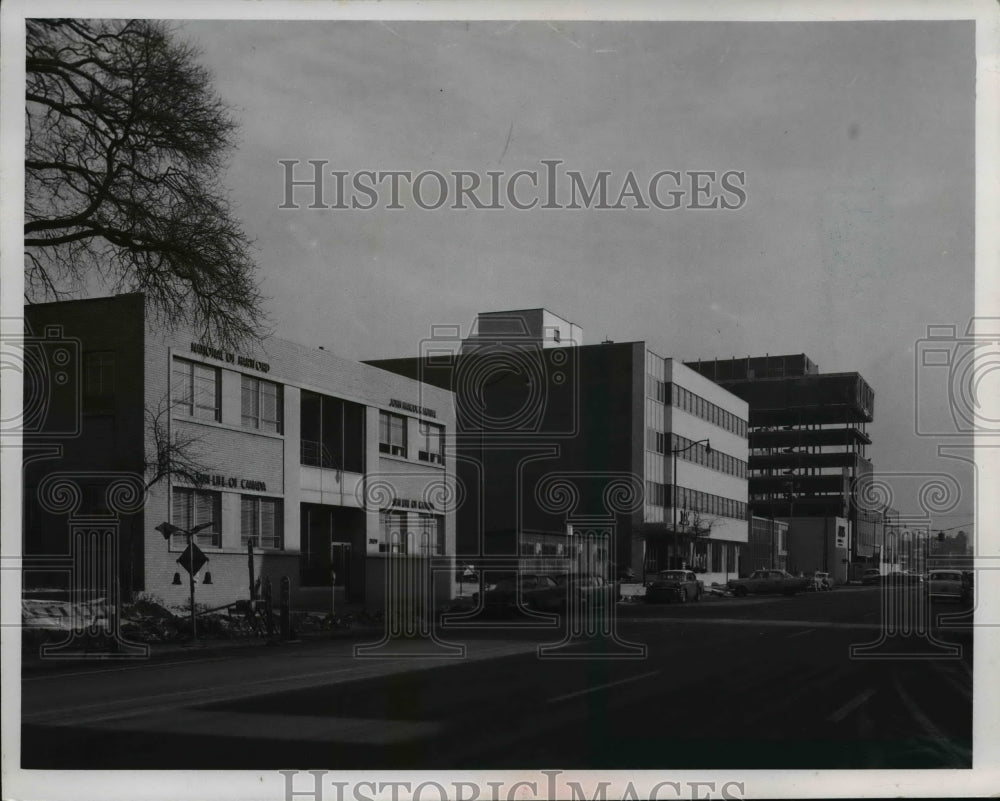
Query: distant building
[808,450]
[551,432]
[768,545]
[326,466]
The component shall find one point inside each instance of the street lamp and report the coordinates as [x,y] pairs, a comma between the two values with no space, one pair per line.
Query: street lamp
[168,530]
[673,502]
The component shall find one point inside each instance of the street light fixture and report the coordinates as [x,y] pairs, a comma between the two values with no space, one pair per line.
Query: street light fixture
[673,502]
[168,530]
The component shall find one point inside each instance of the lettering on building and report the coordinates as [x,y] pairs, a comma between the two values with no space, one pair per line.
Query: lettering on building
[230,358]
[395,403]
[229,482]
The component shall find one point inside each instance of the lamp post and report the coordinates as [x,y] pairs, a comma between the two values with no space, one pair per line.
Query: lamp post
[168,530]
[673,501]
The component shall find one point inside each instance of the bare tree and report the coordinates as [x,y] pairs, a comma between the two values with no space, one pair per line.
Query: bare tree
[172,453]
[125,144]
[696,524]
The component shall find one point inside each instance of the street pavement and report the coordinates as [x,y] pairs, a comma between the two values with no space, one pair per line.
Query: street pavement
[761,682]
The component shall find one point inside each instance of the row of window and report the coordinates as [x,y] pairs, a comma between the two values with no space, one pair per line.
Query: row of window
[681,398]
[715,460]
[197,392]
[333,430]
[658,494]
[261,519]
[392,438]
[425,537]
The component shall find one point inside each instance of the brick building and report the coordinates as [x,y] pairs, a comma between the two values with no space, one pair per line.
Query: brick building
[323,464]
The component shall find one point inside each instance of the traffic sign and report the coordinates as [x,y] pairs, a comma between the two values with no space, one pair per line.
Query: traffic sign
[192,560]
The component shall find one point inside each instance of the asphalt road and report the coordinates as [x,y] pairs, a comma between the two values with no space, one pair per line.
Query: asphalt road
[767,682]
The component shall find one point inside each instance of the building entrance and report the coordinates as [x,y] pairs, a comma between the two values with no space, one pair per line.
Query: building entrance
[333,551]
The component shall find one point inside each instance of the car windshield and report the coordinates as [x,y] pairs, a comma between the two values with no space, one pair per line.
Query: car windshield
[671,575]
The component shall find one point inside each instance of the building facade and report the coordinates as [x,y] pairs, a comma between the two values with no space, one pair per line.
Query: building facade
[555,437]
[808,458]
[322,465]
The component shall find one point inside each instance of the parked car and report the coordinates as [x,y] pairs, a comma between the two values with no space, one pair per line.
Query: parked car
[871,576]
[819,581]
[951,584]
[591,590]
[968,586]
[675,585]
[903,579]
[535,592]
[769,581]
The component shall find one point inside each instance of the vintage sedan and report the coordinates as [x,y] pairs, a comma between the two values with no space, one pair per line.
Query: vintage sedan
[762,582]
[871,576]
[950,584]
[533,591]
[675,585]
[588,590]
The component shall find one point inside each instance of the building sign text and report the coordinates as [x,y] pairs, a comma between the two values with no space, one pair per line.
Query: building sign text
[231,358]
[411,407]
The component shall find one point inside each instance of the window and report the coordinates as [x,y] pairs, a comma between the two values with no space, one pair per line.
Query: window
[196,390]
[431,443]
[261,520]
[99,373]
[392,434]
[332,433]
[430,535]
[193,508]
[393,532]
[263,406]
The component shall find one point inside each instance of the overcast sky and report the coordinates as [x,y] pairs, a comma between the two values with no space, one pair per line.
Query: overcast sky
[856,140]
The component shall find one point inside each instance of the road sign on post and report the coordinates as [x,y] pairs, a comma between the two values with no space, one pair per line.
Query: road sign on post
[193,559]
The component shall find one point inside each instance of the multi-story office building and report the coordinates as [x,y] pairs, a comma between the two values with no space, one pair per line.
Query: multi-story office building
[555,436]
[808,455]
[325,466]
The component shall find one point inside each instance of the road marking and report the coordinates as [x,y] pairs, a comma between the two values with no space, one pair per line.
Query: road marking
[961,755]
[800,633]
[602,687]
[146,665]
[364,669]
[850,706]
[333,729]
[749,621]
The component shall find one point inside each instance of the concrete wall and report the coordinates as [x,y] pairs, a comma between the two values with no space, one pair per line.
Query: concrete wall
[812,545]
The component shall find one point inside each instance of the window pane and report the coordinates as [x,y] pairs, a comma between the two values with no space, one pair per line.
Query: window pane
[182,386]
[270,407]
[249,402]
[333,433]
[311,438]
[205,392]
[248,520]
[354,437]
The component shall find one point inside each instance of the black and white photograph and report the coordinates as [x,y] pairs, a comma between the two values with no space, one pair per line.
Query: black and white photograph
[492,401]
